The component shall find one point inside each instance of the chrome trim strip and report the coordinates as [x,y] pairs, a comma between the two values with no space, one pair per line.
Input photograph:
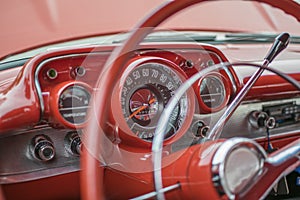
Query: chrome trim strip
[239,126]
[233,83]
[19,178]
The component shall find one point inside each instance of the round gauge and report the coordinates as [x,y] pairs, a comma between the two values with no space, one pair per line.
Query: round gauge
[213,92]
[145,93]
[73,104]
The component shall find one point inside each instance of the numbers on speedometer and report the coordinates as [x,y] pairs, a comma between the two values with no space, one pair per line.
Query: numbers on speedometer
[145,93]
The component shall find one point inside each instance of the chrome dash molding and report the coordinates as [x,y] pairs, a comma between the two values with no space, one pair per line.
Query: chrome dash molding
[31,176]
[239,125]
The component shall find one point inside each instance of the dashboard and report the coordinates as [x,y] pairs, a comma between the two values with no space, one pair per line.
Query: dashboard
[152,76]
[65,79]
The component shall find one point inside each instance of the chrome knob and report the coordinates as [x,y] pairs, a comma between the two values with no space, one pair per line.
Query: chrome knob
[259,119]
[73,143]
[200,129]
[43,148]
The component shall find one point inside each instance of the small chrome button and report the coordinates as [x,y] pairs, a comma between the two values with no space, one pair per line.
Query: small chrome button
[73,143]
[43,148]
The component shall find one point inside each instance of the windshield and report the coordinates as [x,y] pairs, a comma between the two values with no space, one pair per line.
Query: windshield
[214,38]
[214,22]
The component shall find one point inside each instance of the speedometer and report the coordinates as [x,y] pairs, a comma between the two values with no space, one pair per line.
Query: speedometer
[145,93]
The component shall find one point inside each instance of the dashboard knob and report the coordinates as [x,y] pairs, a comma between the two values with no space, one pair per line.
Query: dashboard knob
[199,129]
[73,143]
[43,148]
[270,122]
[259,119]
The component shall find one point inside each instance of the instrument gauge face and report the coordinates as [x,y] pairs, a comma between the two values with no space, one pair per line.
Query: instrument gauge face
[212,91]
[73,104]
[143,105]
[145,93]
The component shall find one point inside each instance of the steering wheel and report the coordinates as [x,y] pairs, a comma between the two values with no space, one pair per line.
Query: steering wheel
[91,183]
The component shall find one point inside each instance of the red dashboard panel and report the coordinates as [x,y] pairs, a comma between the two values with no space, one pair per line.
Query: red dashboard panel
[54,70]
[53,74]
[270,87]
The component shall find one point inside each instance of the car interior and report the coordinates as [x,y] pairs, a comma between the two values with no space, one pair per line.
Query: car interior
[158,113]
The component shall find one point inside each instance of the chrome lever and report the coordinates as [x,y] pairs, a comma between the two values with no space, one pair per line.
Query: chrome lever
[279,44]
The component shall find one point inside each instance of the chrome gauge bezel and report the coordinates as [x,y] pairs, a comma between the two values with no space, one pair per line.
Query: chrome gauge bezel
[217,96]
[56,94]
[68,92]
[216,92]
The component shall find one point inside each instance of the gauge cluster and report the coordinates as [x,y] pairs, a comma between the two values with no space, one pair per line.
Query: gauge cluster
[66,83]
[63,82]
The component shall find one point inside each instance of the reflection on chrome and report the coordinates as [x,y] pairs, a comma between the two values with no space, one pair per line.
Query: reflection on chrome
[233,158]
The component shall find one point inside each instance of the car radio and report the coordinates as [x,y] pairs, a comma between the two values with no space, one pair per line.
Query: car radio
[284,114]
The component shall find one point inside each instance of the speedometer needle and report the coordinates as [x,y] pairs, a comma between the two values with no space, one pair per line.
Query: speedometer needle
[142,108]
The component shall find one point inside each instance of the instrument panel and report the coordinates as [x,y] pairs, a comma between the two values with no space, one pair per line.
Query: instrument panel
[151,78]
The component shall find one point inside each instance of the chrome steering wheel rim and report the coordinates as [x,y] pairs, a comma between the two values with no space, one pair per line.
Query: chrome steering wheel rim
[90,187]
